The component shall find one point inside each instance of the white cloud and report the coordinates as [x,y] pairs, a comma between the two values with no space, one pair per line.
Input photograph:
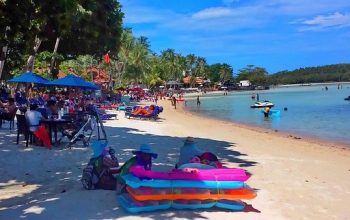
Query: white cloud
[212,13]
[325,22]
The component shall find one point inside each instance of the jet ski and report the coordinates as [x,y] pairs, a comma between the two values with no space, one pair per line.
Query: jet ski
[262,104]
[347,99]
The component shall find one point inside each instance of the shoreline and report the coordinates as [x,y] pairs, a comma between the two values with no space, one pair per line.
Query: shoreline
[310,176]
[312,84]
[291,135]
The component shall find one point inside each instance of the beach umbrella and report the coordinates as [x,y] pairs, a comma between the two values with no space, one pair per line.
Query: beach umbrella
[73,81]
[29,77]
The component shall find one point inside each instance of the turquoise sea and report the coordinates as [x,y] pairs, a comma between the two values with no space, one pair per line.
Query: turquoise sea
[312,111]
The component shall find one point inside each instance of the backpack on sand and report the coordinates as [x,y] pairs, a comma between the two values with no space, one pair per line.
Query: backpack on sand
[97,174]
[90,178]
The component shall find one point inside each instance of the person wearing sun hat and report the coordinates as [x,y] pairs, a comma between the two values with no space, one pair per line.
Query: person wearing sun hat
[188,151]
[144,156]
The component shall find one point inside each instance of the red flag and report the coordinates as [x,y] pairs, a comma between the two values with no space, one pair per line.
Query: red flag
[106,58]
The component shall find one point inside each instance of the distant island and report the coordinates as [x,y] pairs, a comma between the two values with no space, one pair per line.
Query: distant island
[320,74]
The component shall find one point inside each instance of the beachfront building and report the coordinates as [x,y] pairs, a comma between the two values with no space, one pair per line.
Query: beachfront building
[173,85]
[244,83]
[196,82]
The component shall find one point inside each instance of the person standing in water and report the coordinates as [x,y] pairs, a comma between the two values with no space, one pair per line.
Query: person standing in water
[257,97]
[198,102]
[266,112]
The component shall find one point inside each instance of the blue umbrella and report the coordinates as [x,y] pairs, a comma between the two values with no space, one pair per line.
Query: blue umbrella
[29,77]
[73,81]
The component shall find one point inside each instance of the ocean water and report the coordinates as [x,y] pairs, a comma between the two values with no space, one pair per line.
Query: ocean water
[312,111]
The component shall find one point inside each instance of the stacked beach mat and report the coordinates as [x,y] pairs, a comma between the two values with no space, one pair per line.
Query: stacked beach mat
[194,189]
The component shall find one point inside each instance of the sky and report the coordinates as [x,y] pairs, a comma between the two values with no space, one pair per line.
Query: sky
[274,34]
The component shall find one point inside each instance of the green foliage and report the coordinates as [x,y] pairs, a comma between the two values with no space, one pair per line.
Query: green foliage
[172,65]
[84,27]
[42,64]
[256,75]
[80,65]
[329,73]
[220,73]
[95,28]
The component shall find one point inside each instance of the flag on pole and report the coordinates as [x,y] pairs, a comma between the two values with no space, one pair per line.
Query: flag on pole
[106,58]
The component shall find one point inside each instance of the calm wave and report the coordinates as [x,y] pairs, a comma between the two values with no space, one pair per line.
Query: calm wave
[312,111]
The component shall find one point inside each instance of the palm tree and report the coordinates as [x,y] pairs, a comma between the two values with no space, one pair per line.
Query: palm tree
[190,61]
[225,72]
[134,53]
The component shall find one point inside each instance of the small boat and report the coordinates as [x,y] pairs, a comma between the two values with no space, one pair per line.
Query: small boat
[262,104]
[348,98]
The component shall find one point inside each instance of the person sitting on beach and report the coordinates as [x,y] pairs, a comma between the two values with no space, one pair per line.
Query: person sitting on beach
[51,108]
[33,117]
[188,151]
[143,158]
[8,110]
[143,111]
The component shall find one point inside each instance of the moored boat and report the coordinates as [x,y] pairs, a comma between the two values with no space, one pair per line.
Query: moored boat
[262,104]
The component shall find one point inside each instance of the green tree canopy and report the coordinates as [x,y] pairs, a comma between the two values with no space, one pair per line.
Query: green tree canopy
[256,75]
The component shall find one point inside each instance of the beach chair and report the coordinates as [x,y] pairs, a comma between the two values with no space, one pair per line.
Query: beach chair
[23,128]
[153,115]
[106,116]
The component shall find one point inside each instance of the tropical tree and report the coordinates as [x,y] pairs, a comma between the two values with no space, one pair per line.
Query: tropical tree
[190,62]
[82,27]
[153,75]
[226,73]
[214,72]
[256,75]
[80,65]
[134,55]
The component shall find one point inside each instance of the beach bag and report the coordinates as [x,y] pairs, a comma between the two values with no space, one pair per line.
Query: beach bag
[91,173]
[107,182]
[89,178]
[109,162]
[96,175]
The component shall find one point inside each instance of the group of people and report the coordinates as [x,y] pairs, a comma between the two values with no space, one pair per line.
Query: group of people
[190,157]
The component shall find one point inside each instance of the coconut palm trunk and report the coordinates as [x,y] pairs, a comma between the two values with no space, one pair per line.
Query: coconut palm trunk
[3,53]
[2,59]
[30,61]
[53,59]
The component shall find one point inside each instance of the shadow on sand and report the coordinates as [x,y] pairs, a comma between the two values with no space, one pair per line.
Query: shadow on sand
[47,183]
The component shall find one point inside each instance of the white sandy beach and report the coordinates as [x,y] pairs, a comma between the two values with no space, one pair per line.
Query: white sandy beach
[294,179]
